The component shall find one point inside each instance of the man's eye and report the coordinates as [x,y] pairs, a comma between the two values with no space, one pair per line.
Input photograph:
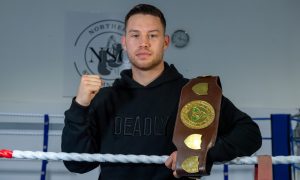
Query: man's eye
[135,35]
[153,35]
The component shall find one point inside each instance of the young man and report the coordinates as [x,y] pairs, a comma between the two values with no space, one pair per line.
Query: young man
[137,114]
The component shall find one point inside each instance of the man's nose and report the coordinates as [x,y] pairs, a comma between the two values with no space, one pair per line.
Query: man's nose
[145,41]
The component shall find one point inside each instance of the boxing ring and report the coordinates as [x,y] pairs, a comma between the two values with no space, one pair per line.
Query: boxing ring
[284,139]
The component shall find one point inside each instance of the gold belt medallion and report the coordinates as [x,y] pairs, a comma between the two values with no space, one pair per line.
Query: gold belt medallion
[191,164]
[193,141]
[197,114]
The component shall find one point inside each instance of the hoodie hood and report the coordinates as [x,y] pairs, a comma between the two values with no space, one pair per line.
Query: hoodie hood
[170,73]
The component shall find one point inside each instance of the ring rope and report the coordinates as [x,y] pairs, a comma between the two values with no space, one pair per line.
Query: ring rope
[83,157]
[120,158]
[30,115]
[29,132]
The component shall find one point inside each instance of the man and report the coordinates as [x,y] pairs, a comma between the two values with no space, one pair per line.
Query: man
[137,114]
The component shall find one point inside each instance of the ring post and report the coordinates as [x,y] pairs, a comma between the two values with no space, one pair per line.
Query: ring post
[225,171]
[45,146]
[280,130]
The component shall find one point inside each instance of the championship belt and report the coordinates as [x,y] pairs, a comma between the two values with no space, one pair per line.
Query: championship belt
[196,125]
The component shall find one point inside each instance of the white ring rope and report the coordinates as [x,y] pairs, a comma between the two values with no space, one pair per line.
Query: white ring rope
[30,115]
[119,158]
[90,157]
[275,160]
[29,132]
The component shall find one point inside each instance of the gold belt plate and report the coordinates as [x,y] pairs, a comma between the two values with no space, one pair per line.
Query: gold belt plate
[197,114]
[191,164]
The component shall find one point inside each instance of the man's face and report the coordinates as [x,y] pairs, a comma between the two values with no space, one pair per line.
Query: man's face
[145,41]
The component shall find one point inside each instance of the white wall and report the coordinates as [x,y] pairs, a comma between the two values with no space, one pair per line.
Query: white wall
[253,45]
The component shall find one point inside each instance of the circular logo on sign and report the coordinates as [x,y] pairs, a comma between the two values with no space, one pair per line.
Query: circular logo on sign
[197,114]
[99,50]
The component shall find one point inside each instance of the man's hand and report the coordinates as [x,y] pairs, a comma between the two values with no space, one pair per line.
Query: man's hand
[88,88]
[171,163]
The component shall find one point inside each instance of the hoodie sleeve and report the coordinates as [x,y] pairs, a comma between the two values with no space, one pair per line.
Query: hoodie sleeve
[79,135]
[238,135]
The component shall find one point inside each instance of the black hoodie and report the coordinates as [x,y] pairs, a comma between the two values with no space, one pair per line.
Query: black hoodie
[129,118]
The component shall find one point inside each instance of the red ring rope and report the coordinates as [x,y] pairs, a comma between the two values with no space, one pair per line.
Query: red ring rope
[5,153]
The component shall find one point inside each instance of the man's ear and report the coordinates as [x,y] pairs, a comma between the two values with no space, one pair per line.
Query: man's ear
[123,39]
[167,41]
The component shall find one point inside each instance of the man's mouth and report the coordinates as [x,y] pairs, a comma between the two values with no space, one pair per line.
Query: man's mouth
[143,54]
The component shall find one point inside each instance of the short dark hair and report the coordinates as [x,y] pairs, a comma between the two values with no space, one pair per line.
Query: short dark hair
[147,10]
